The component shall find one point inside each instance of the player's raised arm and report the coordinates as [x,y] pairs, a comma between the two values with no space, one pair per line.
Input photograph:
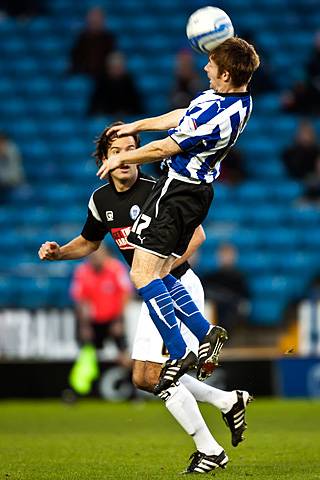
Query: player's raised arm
[161,122]
[79,247]
[197,239]
[152,152]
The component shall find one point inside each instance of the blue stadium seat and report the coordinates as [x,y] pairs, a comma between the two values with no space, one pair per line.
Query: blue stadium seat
[44,108]
[35,87]
[279,238]
[266,311]
[13,108]
[288,190]
[254,262]
[267,214]
[304,216]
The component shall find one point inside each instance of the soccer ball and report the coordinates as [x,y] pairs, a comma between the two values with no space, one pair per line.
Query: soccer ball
[207,28]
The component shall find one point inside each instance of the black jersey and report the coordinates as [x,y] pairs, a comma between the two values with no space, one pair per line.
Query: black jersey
[110,211]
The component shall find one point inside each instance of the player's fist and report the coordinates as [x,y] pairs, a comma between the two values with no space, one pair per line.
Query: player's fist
[49,251]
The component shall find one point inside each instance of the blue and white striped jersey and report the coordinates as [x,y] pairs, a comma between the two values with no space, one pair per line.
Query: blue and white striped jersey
[207,131]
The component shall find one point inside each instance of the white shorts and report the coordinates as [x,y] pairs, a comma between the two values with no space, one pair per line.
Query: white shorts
[148,344]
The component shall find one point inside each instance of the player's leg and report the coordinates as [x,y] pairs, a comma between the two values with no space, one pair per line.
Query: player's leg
[188,299]
[183,407]
[231,404]
[211,338]
[145,271]
[148,353]
[181,404]
[145,274]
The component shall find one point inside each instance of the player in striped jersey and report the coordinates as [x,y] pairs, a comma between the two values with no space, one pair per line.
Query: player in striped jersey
[199,138]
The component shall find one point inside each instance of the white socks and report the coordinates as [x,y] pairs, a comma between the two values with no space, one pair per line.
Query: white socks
[205,393]
[183,406]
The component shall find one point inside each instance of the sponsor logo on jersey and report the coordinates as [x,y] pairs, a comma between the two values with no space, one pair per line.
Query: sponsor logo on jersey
[109,215]
[134,211]
[120,235]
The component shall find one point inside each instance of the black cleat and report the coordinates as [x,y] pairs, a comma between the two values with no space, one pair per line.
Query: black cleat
[209,349]
[202,463]
[172,370]
[235,418]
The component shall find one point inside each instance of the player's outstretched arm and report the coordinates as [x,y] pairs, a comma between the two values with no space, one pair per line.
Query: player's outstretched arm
[197,239]
[162,122]
[77,248]
[152,152]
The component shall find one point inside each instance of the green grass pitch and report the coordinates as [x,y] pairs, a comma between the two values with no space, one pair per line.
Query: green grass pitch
[94,440]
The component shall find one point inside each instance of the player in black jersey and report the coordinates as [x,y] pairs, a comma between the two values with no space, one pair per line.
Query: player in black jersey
[113,209]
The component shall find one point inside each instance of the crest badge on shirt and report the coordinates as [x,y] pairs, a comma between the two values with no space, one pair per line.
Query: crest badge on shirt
[134,211]
[109,215]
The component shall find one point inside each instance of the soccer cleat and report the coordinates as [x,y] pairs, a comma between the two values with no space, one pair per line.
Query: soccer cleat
[172,370]
[209,349]
[235,418]
[202,463]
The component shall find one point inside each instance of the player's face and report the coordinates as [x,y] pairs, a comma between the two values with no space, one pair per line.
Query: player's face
[119,145]
[216,80]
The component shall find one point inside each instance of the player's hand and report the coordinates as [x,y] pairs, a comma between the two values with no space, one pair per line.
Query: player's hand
[49,251]
[112,163]
[123,130]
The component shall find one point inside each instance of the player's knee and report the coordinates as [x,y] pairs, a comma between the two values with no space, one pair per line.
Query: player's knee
[140,278]
[134,277]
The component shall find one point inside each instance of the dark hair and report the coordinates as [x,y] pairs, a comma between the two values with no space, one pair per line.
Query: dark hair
[237,57]
[104,141]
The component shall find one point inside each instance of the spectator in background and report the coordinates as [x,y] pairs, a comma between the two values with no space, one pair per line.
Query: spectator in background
[313,67]
[301,157]
[115,92]
[227,289]
[93,45]
[263,79]
[187,80]
[100,289]
[11,170]
[22,9]
[304,98]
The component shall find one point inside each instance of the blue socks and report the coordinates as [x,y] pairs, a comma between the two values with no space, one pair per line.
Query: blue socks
[185,308]
[160,306]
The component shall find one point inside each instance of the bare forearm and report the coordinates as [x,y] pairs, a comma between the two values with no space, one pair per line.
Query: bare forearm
[162,122]
[79,247]
[153,152]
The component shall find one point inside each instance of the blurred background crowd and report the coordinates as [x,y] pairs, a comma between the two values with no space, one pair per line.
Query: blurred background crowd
[69,68]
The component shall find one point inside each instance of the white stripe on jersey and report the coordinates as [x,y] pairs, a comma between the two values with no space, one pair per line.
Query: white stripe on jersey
[93,208]
[148,180]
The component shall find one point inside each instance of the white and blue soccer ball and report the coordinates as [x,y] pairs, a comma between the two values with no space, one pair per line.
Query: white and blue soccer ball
[207,28]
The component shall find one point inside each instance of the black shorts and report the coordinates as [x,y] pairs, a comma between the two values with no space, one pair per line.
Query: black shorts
[170,215]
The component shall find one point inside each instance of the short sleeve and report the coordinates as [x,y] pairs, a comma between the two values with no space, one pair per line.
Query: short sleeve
[93,229]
